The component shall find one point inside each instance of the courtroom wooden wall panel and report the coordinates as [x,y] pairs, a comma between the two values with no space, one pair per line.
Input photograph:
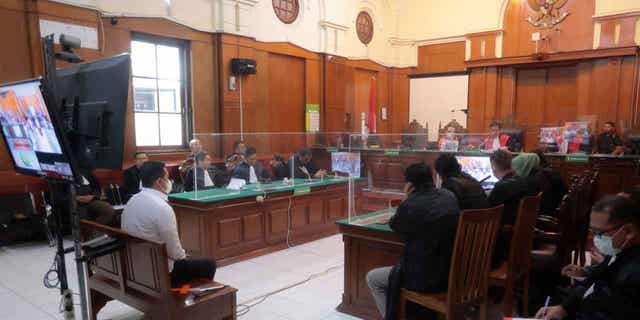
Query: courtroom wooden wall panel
[440,58]
[576,32]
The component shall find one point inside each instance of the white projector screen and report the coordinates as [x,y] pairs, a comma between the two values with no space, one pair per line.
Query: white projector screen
[433,98]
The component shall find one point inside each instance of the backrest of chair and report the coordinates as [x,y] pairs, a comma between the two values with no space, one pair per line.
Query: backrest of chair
[141,267]
[568,237]
[522,240]
[471,260]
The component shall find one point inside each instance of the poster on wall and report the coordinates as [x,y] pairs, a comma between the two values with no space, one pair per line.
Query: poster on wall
[312,117]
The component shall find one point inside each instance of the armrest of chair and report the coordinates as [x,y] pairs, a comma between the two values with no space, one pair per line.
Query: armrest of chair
[547,223]
[547,236]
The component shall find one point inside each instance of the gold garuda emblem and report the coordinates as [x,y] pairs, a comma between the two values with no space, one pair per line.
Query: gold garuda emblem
[548,13]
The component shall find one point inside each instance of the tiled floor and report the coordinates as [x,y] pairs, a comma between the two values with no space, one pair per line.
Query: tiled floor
[23,296]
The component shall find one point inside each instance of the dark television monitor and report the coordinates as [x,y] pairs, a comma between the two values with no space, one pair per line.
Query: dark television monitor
[31,133]
[94,99]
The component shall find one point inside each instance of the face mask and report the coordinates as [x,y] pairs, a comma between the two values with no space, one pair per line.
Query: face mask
[168,187]
[450,135]
[605,244]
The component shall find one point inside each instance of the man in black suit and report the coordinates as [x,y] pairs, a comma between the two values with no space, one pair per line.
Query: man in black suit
[508,191]
[132,184]
[90,199]
[250,170]
[204,173]
[610,289]
[467,190]
[303,166]
[427,222]
[608,141]
[279,167]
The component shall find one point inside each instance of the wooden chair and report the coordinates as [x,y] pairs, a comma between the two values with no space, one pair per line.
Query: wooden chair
[514,273]
[470,264]
[138,275]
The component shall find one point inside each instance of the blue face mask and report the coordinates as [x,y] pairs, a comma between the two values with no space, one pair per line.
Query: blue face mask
[604,244]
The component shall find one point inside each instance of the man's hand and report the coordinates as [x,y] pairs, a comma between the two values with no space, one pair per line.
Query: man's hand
[596,257]
[551,313]
[573,271]
[321,173]
[85,199]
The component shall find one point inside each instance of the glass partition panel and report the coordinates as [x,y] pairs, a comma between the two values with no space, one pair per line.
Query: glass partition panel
[225,166]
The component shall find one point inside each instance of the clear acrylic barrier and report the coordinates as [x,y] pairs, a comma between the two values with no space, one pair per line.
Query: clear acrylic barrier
[419,142]
[224,174]
[374,204]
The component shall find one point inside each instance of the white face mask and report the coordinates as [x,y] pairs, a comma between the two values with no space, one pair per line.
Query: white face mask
[168,187]
[605,244]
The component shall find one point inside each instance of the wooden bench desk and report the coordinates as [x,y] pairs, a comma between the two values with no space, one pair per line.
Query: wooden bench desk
[138,275]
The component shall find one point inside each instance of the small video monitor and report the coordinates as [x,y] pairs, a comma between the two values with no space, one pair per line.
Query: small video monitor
[479,167]
[29,132]
[346,162]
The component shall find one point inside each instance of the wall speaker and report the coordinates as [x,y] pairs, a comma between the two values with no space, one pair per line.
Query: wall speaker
[243,66]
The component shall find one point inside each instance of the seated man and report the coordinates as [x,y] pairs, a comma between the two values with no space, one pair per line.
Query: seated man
[203,172]
[250,169]
[304,167]
[148,215]
[508,191]
[497,140]
[611,289]
[449,142]
[467,190]
[240,148]
[90,199]
[278,167]
[195,146]
[132,184]
[608,141]
[427,220]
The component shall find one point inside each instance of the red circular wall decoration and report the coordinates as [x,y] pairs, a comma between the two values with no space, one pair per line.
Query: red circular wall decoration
[286,10]
[364,27]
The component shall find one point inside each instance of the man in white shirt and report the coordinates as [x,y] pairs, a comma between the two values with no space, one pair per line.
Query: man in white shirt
[148,215]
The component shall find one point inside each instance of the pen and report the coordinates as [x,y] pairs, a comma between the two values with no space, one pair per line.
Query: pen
[546,304]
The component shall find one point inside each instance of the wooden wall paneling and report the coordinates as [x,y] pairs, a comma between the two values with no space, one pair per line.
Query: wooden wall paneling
[477,100]
[16,63]
[202,87]
[399,111]
[440,58]
[483,45]
[625,23]
[491,99]
[362,85]
[575,33]
[561,95]
[507,92]
[626,93]
[604,89]
[530,99]
[382,97]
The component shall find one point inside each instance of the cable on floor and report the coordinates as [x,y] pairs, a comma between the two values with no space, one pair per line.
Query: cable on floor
[246,306]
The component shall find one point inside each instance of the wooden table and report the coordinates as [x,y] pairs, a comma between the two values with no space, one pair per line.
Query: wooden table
[366,247]
[228,225]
